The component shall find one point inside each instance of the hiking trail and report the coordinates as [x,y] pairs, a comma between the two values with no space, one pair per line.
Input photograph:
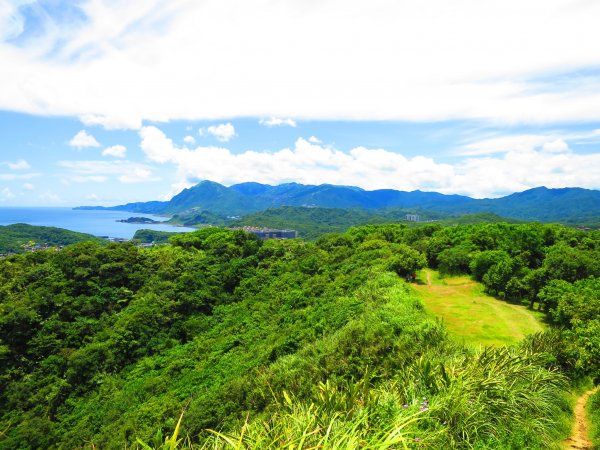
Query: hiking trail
[579,439]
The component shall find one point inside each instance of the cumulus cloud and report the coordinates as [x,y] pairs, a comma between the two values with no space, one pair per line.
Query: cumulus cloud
[277,122]
[305,163]
[556,146]
[392,60]
[223,132]
[314,140]
[83,140]
[519,170]
[516,168]
[118,151]
[21,164]
[189,140]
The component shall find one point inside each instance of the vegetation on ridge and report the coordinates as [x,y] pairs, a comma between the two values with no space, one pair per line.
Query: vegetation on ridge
[268,343]
[18,237]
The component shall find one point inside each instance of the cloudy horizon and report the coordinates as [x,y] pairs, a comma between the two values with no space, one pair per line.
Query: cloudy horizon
[107,102]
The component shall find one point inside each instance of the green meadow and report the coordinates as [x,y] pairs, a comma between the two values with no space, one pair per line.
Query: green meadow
[470,315]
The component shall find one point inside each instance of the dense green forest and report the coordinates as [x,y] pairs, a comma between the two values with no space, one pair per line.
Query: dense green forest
[293,343]
[312,223]
[16,238]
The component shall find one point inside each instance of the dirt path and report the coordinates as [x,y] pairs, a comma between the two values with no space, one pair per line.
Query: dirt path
[579,439]
[428,278]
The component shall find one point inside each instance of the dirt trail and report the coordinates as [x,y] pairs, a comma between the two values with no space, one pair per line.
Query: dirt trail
[579,439]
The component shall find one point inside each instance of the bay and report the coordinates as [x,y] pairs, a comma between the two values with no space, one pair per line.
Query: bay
[98,223]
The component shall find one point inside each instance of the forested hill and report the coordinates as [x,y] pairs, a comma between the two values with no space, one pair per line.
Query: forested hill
[569,205]
[314,222]
[291,343]
[18,237]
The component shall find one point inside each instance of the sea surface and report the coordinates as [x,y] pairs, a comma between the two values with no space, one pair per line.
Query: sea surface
[98,223]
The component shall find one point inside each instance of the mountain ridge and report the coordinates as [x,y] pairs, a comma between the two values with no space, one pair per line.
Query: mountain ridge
[569,205]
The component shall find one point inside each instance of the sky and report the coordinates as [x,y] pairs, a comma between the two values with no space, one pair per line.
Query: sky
[105,102]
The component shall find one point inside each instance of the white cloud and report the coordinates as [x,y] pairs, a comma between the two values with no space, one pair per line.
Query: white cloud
[50,197]
[314,140]
[277,122]
[11,21]
[189,140]
[517,168]
[138,175]
[6,194]
[20,176]
[305,163]
[29,186]
[118,151]
[550,143]
[88,178]
[83,140]
[435,60]
[223,132]
[112,122]
[102,171]
[556,146]
[503,144]
[21,164]
[520,170]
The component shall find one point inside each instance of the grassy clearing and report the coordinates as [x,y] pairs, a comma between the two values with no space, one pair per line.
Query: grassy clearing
[470,315]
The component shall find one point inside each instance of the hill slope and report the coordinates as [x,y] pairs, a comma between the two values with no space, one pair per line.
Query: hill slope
[14,237]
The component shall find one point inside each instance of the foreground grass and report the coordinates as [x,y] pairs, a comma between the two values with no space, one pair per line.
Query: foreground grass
[470,315]
[593,411]
[470,403]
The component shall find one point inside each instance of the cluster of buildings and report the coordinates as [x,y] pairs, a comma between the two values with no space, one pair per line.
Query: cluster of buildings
[32,247]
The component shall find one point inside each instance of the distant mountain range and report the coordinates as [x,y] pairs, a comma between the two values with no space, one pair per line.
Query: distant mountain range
[568,205]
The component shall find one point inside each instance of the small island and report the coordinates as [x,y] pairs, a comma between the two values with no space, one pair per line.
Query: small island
[142,220]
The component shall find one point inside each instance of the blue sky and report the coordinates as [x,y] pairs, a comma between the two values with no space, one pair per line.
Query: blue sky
[110,101]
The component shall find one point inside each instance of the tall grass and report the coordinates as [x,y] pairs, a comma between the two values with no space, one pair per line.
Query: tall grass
[353,415]
[497,398]
[593,410]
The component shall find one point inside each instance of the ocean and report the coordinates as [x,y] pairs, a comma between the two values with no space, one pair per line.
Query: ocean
[98,223]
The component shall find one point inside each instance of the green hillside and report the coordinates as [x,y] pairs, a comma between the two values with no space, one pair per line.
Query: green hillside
[314,222]
[279,344]
[15,238]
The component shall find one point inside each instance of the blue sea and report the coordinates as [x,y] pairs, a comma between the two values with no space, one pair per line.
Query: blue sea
[98,223]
